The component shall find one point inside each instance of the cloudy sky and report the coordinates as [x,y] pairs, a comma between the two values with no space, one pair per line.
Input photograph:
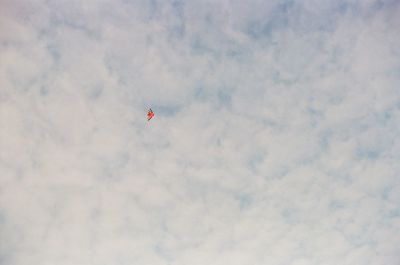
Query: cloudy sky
[275,140]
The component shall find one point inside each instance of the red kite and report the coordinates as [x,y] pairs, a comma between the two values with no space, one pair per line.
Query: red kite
[150,115]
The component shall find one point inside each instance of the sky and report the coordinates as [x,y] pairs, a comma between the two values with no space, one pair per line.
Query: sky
[274,141]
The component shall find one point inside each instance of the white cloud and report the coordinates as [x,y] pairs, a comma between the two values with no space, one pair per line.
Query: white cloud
[274,140]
